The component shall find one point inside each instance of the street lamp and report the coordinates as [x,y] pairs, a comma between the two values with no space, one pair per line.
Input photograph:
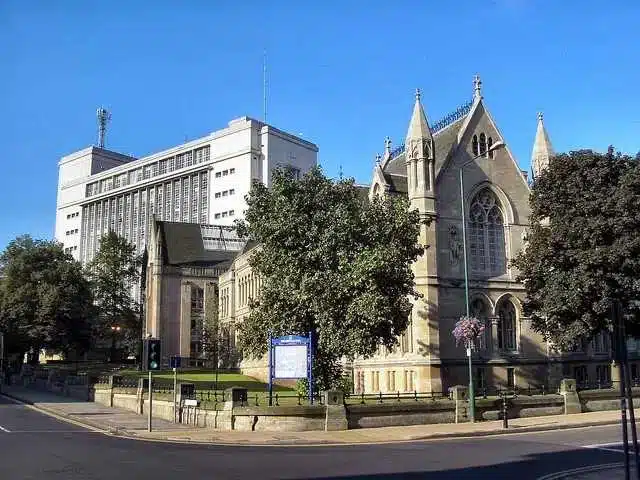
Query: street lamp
[495,146]
[114,330]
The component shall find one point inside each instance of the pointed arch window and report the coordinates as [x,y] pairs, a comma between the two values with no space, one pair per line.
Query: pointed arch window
[489,145]
[486,235]
[507,326]
[483,144]
[474,145]
[480,310]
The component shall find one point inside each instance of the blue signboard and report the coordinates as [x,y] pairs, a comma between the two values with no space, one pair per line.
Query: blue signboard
[175,361]
[290,357]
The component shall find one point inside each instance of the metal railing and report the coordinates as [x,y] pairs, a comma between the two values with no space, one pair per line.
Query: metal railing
[529,390]
[415,396]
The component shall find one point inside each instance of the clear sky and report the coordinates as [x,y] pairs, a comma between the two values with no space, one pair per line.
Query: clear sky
[341,73]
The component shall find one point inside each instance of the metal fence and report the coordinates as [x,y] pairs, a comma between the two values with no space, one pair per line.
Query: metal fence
[415,396]
[530,390]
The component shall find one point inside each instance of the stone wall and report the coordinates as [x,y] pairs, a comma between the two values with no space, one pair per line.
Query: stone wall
[607,399]
[298,418]
[521,407]
[395,414]
[235,414]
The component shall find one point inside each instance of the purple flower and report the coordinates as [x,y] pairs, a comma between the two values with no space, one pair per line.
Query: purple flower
[467,329]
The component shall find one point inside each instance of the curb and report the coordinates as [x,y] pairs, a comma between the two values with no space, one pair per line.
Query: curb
[516,430]
[329,443]
[123,433]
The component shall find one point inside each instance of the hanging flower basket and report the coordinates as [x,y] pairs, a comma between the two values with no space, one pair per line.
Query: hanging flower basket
[467,329]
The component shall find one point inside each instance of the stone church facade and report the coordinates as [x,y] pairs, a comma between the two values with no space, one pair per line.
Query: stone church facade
[492,197]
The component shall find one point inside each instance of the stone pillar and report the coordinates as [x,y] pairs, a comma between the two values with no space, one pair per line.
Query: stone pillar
[494,334]
[235,397]
[184,342]
[615,375]
[571,400]
[335,411]
[460,395]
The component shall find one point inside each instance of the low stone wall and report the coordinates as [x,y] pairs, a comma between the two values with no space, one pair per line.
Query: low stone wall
[605,399]
[236,415]
[126,402]
[521,407]
[400,413]
[296,418]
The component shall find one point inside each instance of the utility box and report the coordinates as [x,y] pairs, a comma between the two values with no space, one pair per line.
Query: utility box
[187,390]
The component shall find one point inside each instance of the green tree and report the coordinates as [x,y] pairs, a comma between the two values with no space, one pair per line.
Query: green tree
[583,250]
[45,299]
[331,263]
[114,272]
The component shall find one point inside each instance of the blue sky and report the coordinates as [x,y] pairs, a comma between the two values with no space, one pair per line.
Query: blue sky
[342,74]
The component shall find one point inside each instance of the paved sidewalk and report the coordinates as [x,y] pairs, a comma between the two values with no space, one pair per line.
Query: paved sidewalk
[94,415]
[127,423]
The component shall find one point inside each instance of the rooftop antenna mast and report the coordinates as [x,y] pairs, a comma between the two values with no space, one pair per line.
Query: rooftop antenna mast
[264,87]
[104,116]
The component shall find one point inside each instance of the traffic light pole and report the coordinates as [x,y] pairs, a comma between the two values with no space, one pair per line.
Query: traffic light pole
[150,399]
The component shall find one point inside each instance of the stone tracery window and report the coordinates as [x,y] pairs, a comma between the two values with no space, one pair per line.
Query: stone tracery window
[507,326]
[483,144]
[486,235]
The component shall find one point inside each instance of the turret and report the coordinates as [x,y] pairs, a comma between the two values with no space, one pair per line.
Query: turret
[420,157]
[542,149]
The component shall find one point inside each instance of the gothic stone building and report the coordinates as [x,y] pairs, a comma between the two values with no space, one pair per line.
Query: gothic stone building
[494,203]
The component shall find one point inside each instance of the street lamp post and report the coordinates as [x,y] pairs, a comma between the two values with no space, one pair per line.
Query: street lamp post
[115,329]
[472,397]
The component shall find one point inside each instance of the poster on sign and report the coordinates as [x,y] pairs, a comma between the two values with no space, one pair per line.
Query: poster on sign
[290,361]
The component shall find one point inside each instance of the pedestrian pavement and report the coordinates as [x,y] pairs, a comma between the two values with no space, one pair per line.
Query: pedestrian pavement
[127,423]
[93,415]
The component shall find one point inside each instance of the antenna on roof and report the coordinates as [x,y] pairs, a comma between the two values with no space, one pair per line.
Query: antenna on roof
[104,116]
[264,87]
[340,172]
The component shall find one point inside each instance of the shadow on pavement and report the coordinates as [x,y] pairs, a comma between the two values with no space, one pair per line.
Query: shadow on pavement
[529,468]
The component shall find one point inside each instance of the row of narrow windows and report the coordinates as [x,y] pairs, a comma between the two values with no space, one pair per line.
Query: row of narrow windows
[481,145]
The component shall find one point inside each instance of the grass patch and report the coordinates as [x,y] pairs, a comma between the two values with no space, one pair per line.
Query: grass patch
[205,380]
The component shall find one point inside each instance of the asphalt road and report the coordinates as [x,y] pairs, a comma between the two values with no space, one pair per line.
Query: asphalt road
[36,446]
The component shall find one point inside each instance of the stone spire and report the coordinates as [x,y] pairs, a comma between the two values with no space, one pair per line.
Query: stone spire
[419,158]
[542,149]
[418,127]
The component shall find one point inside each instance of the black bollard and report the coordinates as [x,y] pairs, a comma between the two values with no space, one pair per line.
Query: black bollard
[505,419]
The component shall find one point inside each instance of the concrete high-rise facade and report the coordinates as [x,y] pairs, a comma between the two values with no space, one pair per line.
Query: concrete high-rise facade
[202,181]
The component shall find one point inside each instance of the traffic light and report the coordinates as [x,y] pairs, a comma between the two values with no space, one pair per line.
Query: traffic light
[152,354]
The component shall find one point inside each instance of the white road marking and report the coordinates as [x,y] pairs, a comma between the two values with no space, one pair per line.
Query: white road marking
[594,468]
[6,430]
[605,446]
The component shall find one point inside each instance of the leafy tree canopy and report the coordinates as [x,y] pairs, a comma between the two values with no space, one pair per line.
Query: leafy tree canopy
[45,299]
[583,249]
[114,272]
[332,263]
